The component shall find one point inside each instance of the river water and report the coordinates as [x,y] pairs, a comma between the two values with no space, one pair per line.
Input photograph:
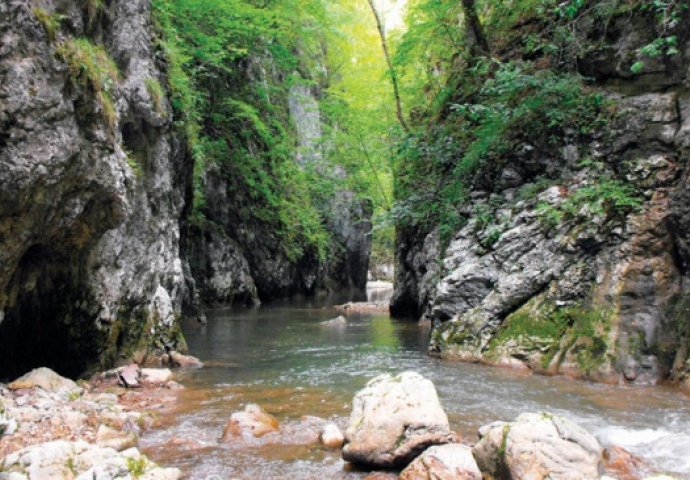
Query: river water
[281,358]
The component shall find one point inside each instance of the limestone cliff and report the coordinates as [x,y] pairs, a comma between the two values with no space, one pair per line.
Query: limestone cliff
[92,187]
[574,259]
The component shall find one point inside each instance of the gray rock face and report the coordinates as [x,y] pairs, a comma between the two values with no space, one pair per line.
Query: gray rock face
[599,293]
[393,420]
[538,446]
[90,199]
[416,274]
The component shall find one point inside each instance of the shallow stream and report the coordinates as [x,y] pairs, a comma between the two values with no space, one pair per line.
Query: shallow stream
[281,358]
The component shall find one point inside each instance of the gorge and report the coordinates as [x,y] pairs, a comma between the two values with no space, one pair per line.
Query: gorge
[215,177]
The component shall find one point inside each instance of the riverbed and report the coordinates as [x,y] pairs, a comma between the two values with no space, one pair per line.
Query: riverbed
[281,358]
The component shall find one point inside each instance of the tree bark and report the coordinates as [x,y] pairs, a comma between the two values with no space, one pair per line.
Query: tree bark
[391,70]
[475,32]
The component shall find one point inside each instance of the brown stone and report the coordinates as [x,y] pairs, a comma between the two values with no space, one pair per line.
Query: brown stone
[252,421]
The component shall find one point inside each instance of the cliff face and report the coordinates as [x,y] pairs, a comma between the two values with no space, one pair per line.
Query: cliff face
[581,267]
[99,250]
[92,187]
[234,260]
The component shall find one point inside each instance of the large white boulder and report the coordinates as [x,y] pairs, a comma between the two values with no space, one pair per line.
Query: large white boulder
[393,420]
[538,446]
[46,379]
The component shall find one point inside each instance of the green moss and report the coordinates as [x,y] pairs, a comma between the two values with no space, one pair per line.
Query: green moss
[540,319]
[589,332]
[157,94]
[50,22]
[90,66]
[135,165]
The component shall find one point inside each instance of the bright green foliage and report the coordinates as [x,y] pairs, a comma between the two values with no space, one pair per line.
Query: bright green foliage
[231,64]
[239,124]
[668,14]
[91,66]
[607,197]
[512,103]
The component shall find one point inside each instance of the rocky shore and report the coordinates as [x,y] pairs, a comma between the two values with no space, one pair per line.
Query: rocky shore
[52,428]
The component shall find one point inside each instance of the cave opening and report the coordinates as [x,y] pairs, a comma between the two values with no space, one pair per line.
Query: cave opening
[43,325]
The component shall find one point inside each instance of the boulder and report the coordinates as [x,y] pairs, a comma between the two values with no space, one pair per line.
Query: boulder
[156,376]
[184,361]
[46,379]
[444,462]
[393,420]
[253,421]
[129,376]
[337,322]
[117,440]
[331,436]
[622,464]
[63,460]
[538,446]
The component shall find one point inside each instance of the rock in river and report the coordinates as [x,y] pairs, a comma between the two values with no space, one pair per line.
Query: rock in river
[253,420]
[538,446]
[331,436]
[337,322]
[393,420]
[444,462]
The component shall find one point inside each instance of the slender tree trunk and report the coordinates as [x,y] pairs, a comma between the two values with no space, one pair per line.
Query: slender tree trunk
[475,32]
[391,70]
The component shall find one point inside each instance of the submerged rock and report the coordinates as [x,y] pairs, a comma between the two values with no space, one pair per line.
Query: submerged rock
[46,379]
[252,421]
[393,420]
[337,322]
[331,436]
[184,361]
[538,446]
[63,460]
[444,462]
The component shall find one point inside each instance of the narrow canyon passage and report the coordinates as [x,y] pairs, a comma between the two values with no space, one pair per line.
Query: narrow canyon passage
[506,181]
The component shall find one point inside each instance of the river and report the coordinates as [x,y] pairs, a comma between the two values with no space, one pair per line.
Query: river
[281,358]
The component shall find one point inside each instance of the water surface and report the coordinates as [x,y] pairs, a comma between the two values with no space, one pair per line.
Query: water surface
[281,358]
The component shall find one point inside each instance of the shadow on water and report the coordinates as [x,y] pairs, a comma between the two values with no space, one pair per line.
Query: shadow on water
[281,358]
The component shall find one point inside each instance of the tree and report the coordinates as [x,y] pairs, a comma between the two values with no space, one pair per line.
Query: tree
[476,40]
[391,70]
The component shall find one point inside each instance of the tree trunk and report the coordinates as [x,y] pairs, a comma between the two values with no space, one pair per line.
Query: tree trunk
[394,78]
[475,32]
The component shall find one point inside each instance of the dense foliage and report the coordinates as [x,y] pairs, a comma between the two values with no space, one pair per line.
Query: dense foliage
[471,112]
[232,63]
